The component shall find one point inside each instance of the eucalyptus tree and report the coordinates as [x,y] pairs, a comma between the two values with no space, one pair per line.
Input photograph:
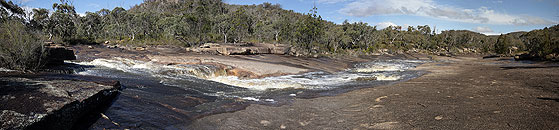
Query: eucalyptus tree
[288,27]
[224,27]
[13,9]
[62,21]
[203,23]
[142,24]
[502,45]
[91,25]
[359,33]
[40,18]
[116,23]
[309,30]
[543,42]
[241,24]
[334,37]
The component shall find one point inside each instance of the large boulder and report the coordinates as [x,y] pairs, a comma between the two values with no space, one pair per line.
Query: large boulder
[57,54]
[237,50]
[524,57]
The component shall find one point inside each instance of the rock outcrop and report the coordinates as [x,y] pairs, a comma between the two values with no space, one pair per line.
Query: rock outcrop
[39,103]
[242,49]
[57,54]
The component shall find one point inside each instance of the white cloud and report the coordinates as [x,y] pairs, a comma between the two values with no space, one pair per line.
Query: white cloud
[28,10]
[81,14]
[383,25]
[94,5]
[406,26]
[483,29]
[23,1]
[364,8]
[497,1]
[330,1]
[492,33]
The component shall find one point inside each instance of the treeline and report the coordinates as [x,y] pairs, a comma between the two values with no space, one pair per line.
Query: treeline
[542,43]
[21,45]
[194,22]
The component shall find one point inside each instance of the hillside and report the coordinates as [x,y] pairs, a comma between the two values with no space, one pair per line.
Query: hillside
[191,23]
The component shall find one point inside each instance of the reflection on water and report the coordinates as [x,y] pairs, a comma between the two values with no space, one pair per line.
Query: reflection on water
[163,96]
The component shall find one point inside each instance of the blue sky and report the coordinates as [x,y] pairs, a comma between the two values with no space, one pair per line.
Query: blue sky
[484,16]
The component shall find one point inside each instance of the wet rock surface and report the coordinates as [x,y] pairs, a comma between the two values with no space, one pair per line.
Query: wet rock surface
[50,101]
[465,93]
[151,101]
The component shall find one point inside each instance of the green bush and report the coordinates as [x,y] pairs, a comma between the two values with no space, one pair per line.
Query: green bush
[20,49]
[544,42]
[502,45]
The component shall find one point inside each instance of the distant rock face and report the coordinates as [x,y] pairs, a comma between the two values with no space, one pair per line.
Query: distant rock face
[242,49]
[57,55]
[35,103]
[294,51]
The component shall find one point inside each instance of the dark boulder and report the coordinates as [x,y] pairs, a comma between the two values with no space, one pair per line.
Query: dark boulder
[524,57]
[57,55]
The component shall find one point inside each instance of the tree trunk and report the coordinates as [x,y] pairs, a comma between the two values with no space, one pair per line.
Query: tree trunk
[394,39]
[133,36]
[224,38]
[277,34]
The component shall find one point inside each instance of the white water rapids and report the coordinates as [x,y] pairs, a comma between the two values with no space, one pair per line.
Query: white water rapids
[158,95]
[380,70]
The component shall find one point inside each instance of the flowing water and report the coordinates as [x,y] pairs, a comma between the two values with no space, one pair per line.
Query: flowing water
[160,96]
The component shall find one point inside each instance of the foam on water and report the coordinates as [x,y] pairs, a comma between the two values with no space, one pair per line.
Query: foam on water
[378,69]
[257,84]
[5,70]
[387,65]
[382,70]
[389,77]
[313,80]
[152,88]
[160,70]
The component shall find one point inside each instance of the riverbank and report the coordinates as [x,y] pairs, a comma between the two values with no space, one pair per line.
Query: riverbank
[170,88]
[466,93]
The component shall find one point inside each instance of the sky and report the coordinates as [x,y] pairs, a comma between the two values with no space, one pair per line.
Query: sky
[491,17]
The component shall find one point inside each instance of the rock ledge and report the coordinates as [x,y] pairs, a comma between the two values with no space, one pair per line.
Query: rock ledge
[42,103]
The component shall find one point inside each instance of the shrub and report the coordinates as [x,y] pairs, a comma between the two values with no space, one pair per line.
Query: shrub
[543,43]
[20,49]
[502,45]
